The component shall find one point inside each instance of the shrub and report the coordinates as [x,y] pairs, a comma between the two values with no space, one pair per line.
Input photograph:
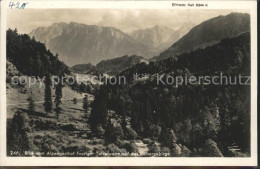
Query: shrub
[112,148]
[165,150]
[68,127]
[45,125]
[147,141]
[153,148]
[185,151]
[211,149]
[97,141]
[131,134]
[233,153]
[131,148]
[176,150]
[155,130]
[118,132]
[122,143]
[76,148]
[49,148]
[100,131]
[168,137]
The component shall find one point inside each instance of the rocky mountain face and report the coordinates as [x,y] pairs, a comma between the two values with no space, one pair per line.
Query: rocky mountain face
[79,43]
[161,37]
[209,32]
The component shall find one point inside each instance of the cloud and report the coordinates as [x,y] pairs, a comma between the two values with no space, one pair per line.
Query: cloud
[126,20]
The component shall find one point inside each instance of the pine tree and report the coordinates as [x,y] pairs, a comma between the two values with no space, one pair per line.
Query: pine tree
[17,137]
[58,111]
[135,118]
[147,116]
[31,103]
[47,96]
[124,123]
[122,112]
[58,94]
[99,113]
[109,132]
[85,104]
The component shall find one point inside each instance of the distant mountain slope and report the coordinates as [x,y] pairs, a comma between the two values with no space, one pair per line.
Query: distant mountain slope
[82,68]
[218,57]
[161,37]
[80,43]
[114,66]
[209,32]
[110,66]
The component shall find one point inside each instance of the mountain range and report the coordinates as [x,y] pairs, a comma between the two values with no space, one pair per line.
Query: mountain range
[79,43]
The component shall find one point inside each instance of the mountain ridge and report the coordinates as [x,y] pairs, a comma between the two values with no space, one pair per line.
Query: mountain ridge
[80,43]
[209,32]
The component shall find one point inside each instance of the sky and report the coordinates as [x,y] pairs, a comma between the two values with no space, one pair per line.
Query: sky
[126,20]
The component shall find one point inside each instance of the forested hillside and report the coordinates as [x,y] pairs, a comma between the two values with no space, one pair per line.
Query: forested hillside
[31,57]
[187,120]
[220,57]
[82,68]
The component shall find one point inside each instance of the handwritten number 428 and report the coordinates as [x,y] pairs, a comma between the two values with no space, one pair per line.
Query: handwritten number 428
[17,5]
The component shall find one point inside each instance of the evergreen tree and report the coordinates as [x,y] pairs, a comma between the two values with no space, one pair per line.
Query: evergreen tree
[124,122]
[58,111]
[17,137]
[31,105]
[58,96]
[85,104]
[99,113]
[122,112]
[147,116]
[110,136]
[135,118]
[47,96]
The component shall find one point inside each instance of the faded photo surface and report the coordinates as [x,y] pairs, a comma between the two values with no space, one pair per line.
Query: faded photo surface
[128,83]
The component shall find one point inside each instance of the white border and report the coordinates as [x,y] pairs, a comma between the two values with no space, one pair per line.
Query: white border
[132,161]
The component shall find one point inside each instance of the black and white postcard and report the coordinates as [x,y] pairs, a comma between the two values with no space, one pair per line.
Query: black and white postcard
[128,83]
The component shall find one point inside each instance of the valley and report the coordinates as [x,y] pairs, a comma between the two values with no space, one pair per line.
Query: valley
[95,118]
